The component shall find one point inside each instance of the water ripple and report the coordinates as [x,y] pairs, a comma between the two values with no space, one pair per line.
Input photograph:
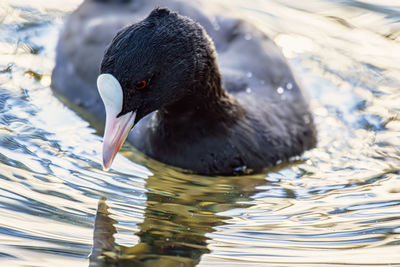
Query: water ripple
[338,204]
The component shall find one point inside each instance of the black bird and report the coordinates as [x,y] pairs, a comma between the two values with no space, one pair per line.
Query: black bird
[241,117]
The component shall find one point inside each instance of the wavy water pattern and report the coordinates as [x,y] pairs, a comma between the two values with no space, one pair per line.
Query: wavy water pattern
[337,205]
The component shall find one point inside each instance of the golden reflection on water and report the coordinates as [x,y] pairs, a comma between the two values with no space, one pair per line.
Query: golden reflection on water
[338,206]
[180,210]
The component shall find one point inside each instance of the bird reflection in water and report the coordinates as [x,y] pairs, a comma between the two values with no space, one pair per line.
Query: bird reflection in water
[180,210]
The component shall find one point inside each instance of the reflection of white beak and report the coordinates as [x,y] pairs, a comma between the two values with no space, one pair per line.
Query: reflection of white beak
[117,128]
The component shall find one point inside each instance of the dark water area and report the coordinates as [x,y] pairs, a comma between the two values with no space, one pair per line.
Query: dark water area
[338,204]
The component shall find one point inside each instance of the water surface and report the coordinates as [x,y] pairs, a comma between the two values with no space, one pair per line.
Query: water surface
[339,204]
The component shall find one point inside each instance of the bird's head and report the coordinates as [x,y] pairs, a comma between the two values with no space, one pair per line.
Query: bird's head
[148,65]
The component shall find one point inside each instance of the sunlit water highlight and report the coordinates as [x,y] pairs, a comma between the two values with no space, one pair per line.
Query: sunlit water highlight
[340,204]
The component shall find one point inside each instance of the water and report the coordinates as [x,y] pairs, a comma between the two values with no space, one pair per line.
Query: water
[339,204]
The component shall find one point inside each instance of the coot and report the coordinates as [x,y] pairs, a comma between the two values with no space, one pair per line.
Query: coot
[160,76]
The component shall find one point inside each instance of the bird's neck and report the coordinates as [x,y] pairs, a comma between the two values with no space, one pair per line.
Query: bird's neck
[208,101]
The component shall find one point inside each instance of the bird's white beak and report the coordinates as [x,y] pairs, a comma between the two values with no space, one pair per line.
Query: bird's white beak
[117,128]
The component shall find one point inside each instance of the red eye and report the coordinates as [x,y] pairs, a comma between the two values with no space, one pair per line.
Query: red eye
[141,85]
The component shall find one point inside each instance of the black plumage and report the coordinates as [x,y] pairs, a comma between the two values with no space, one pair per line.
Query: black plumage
[243,116]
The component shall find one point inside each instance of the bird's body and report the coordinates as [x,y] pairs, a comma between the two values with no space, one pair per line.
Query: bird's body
[243,114]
